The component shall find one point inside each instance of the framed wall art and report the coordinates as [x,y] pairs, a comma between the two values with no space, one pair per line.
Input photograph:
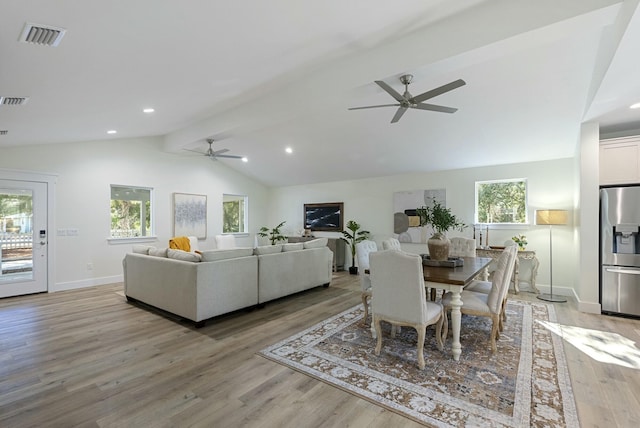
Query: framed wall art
[324,217]
[190,215]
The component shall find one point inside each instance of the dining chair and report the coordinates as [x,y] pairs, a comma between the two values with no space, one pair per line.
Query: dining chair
[399,297]
[460,247]
[482,304]
[485,286]
[363,249]
[391,244]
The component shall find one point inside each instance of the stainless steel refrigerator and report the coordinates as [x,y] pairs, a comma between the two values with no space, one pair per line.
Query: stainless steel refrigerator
[620,250]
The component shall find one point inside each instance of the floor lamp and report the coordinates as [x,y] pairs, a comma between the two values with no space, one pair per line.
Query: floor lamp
[551,218]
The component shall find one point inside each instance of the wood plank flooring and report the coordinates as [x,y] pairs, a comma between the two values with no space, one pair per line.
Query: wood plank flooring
[87,358]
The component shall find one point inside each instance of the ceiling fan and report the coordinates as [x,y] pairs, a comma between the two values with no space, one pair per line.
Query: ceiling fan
[214,154]
[407,101]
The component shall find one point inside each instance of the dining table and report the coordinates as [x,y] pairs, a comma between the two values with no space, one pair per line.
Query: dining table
[454,279]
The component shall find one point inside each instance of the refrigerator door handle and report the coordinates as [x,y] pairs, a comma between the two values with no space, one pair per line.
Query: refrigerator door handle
[618,270]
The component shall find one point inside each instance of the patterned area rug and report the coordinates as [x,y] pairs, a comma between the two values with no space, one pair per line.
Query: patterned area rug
[526,383]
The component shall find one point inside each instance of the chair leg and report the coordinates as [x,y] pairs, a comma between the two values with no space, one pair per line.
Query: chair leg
[376,323]
[445,328]
[365,304]
[421,333]
[494,332]
[439,331]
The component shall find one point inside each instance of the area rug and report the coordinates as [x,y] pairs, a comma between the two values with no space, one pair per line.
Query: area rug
[525,383]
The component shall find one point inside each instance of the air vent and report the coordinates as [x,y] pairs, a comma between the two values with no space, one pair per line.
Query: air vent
[44,35]
[13,101]
[3,132]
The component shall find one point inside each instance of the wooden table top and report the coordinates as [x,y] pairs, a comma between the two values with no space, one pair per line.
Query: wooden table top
[460,275]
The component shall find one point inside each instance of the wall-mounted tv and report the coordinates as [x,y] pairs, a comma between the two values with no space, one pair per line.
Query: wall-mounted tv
[324,217]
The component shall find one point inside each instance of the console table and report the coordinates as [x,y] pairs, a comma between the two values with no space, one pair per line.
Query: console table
[336,245]
[523,255]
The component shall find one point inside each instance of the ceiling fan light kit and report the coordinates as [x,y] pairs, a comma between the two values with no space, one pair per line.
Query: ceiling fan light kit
[406,101]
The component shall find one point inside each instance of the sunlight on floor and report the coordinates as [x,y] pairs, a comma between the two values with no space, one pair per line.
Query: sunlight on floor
[602,346]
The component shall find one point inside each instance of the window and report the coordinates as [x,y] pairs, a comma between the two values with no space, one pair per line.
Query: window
[234,214]
[501,201]
[130,212]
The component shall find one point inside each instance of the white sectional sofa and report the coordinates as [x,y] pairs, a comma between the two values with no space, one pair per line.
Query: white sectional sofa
[201,286]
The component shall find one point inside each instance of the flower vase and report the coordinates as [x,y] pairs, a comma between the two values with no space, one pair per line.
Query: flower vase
[439,246]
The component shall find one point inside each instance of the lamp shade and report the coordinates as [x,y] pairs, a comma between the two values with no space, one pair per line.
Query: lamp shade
[552,217]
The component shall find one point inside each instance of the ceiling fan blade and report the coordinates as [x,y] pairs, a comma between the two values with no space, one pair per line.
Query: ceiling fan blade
[229,156]
[439,91]
[398,115]
[390,91]
[219,152]
[381,105]
[433,107]
[195,151]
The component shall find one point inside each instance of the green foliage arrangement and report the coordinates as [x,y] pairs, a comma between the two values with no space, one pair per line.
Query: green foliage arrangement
[274,234]
[440,218]
[521,240]
[352,237]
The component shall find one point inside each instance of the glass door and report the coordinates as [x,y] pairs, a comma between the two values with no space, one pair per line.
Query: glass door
[23,237]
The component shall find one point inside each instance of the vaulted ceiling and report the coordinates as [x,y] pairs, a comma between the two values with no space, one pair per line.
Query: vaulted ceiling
[260,76]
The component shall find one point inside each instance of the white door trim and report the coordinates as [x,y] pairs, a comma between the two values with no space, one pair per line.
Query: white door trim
[51,180]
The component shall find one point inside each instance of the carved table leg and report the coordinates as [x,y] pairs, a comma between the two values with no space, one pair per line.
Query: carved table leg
[456,304]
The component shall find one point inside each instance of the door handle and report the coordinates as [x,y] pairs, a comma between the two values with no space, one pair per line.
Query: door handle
[629,271]
[43,242]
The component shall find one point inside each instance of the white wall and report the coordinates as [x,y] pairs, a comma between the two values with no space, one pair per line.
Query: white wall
[85,172]
[551,184]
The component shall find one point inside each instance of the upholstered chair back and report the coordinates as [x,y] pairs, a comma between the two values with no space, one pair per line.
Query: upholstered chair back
[391,244]
[462,247]
[363,249]
[499,282]
[397,286]
[511,263]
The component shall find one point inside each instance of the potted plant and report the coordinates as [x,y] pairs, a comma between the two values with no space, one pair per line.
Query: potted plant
[441,220]
[274,234]
[352,237]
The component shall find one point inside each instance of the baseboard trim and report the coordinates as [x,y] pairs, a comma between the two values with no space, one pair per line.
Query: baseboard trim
[91,282]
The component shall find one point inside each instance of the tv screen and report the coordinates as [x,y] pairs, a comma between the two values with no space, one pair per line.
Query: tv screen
[324,217]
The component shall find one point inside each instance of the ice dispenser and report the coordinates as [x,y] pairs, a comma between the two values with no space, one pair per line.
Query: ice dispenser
[625,239]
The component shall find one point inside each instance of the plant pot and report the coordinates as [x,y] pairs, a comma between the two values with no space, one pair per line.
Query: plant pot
[353,270]
[439,247]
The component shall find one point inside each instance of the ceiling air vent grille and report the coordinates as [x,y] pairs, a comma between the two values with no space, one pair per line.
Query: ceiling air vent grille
[3,132]
[13,101]
[44,35]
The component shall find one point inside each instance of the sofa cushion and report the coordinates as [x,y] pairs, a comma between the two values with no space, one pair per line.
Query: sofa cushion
[158,252]
[316,243]
[293,246]
[267,249]
[141,249]
[225,242]
[183,255]
[214,255]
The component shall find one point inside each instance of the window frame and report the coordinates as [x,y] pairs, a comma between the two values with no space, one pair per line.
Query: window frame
[150,231]
[243,220]
[499,181]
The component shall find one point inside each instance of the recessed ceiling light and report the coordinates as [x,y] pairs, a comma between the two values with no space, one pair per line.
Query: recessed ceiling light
[245,159]
[148,110]
[636,105]
[288,150]
[112,131]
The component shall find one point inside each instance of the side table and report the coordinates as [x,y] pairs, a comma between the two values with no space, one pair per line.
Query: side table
[528,255]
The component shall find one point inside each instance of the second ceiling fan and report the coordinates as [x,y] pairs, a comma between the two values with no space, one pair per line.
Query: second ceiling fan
[406,101]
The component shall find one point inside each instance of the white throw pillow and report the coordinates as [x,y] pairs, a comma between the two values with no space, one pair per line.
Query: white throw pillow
[297,246]
[267,249]
[215,255]
[183,255]
[225,242]
[141,249]
[316,243]
[158,252]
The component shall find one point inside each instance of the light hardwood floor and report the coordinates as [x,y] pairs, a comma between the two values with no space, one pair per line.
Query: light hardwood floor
[88,358]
